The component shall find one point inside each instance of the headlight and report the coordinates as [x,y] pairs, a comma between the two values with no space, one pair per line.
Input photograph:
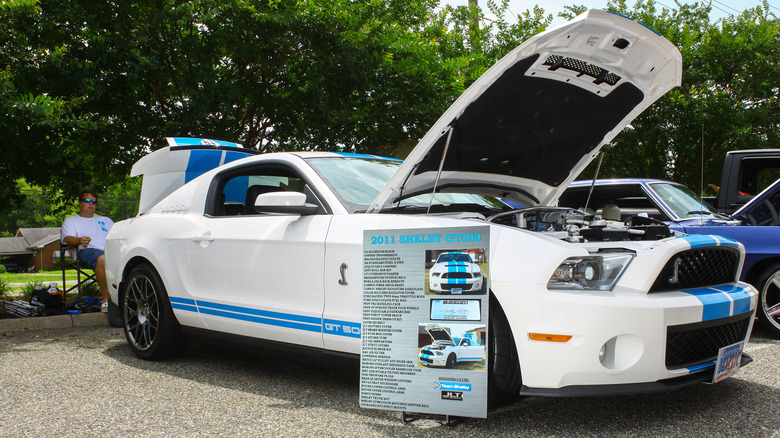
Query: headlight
[478,275]
[435,274]
[598,272]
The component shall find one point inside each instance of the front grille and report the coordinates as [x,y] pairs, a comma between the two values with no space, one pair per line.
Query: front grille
[456,275]
[456,286]
[583,68]
[693,344]
[699,267]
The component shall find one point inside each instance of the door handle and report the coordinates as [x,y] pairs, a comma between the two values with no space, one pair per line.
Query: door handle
[205,237]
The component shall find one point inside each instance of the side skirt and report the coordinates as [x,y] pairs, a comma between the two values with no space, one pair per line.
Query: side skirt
[270,349]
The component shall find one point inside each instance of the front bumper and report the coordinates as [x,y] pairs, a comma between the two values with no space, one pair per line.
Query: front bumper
[432,360]
[628,388]
[623,341]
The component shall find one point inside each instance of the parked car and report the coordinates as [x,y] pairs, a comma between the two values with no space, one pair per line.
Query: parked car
[755,225]
[448,352]
[268,249]
[455,273]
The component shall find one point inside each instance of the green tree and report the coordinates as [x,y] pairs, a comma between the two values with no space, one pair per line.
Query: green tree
[728,99]
[116,77]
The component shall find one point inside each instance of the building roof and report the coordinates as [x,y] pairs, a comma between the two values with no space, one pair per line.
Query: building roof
[27,240]
[33,235]
[14,245]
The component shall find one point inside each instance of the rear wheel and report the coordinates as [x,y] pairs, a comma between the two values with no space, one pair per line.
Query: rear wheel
[769,299]
[504,378]
[150,327]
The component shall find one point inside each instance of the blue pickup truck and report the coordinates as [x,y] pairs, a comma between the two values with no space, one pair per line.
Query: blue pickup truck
[756,224]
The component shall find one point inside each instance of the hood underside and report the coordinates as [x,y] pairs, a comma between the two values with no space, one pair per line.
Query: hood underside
[526,128]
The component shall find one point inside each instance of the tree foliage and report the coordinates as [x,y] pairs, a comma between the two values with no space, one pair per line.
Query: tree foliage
[728,99]
[88,87]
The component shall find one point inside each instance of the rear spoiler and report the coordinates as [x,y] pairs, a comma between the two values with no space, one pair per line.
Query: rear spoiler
[183,160]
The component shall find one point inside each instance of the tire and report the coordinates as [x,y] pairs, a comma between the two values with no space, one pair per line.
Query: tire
[769,299]
[151,329]
[504,376]
[451,361]
[114,317]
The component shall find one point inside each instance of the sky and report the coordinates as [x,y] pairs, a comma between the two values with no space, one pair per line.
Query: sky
[720,8]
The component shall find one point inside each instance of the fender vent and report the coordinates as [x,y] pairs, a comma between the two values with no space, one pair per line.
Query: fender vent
[699,267]
[583,68]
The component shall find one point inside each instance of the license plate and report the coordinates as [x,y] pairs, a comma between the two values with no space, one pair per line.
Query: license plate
[728,362]
[456,290]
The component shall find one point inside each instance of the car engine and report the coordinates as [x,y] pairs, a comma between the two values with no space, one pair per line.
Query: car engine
[578,226]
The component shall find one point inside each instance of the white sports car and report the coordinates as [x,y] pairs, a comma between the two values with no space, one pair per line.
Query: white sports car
[455,273]
[268,249]
[445,352]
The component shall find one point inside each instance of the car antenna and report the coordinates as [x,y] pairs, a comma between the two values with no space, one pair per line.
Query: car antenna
[595,176]
[441,164]
[701,180]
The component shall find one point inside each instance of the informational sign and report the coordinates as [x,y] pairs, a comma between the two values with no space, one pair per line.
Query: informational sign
[425,313]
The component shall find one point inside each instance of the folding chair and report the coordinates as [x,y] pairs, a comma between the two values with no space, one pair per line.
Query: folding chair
[79,267]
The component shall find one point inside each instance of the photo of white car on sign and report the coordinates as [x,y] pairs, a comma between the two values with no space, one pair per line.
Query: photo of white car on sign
[456,273]
[447,352]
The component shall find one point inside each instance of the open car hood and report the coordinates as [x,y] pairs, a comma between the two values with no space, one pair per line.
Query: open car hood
[763,208]
[438,333]
[530,124]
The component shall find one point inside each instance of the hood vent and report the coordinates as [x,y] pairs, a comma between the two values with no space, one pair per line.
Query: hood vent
[583,68]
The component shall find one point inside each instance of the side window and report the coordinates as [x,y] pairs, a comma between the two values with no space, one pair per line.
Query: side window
[234,192]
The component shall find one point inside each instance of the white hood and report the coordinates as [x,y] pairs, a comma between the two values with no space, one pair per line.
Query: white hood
[528,126]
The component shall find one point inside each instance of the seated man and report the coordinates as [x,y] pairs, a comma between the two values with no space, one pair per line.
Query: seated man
[89,231]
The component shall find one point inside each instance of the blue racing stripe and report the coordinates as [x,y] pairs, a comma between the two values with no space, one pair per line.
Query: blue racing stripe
[190,141]
[202,305]
[182,301]
[201,161]
[716,303]
[287,320]
[727,241]
[260,320]
[700,240]
[740,296]
[701,367]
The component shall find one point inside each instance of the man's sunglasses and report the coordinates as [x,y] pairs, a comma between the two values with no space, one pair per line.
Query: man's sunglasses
[88,201]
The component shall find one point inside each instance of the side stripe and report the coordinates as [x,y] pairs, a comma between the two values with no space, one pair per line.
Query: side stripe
[266,317]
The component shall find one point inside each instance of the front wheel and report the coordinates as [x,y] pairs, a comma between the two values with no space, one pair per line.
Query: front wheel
[151,329]
[451,361]
[504,377]
[769,299]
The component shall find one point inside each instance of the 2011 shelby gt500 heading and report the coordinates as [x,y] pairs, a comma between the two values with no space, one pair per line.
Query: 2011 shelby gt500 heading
[269,247]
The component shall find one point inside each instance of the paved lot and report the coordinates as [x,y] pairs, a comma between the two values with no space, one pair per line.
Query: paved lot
[85,382]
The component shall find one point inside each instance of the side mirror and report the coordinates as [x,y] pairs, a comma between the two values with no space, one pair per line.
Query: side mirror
[284,203]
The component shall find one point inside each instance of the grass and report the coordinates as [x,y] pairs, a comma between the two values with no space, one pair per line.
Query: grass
[39,277]
[21,285]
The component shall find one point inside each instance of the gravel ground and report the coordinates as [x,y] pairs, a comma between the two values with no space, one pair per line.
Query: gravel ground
[85,382]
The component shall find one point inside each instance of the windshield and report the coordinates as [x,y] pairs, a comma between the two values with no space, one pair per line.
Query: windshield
[454,257]
[682,201]
[357,181]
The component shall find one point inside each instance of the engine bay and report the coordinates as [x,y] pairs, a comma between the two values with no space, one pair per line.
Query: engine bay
[578,226]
